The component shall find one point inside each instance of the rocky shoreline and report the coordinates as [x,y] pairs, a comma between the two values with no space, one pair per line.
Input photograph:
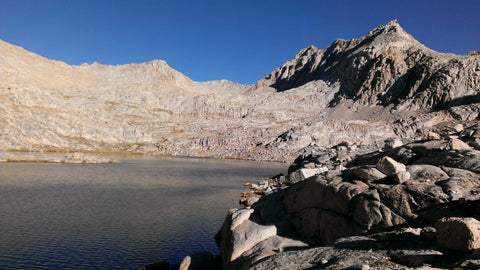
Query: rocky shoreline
[70,158]
[407,205]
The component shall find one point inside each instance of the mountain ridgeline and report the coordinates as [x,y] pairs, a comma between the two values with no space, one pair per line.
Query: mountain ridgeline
[387,66]
[383,85]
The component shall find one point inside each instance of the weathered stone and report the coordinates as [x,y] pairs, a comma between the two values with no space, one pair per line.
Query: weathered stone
[390,167]
[423,195]
[433,136]
[462,159]
[426,173]
[370,212]
[464,113]
[270,207]
[394,143]
[316,192]
[243,238]
[458,127]
[462,234]
[457,144]
[270,246]
[301,174]
[428,147]
[401,177]
[351,253]
[239,216]
[252,200]
[470,262]
[461,184]
[397,199]
[415,258]
[368,173]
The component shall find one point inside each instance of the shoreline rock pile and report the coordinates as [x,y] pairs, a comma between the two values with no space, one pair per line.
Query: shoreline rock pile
[407,205]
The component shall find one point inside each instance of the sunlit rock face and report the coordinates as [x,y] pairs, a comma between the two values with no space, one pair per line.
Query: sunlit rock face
[383,85]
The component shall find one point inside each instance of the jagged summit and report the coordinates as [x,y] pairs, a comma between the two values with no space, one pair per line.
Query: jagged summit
[306,51]
[386,66]
[392,28]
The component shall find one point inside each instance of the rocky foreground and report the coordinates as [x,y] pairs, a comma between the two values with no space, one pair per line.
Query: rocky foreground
[407,205]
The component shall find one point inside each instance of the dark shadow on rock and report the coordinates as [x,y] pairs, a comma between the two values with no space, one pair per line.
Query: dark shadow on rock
[459,208]
[360,243]
[415,260]
[158,266]
[466,100]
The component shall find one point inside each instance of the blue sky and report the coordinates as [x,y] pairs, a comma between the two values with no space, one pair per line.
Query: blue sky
[239,40]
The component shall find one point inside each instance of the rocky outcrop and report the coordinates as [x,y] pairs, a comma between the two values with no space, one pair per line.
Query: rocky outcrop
[318,100]
[413,205]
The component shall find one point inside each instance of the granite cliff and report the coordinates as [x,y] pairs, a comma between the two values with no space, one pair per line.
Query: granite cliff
[362,90]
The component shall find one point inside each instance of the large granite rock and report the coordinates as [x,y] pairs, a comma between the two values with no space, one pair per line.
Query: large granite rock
[244,240]
[393,250]
[462,234]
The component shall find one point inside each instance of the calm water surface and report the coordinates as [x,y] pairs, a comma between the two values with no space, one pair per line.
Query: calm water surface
[116,216]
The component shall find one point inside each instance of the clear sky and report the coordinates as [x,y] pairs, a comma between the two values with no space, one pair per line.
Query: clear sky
[239,40]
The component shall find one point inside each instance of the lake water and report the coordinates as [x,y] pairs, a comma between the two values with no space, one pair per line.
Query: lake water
[117,216]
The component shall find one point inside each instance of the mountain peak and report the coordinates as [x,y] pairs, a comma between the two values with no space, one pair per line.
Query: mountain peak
[386,66]
[389,34]
[390,27]
[308,51]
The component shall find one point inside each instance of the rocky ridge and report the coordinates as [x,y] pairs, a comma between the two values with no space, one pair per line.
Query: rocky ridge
[387,66]
[384,85]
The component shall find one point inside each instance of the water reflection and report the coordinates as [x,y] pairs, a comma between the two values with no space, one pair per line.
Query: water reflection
[120,215]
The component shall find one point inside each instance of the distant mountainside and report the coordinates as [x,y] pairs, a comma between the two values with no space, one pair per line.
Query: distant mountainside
[387,66]
[381,86]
